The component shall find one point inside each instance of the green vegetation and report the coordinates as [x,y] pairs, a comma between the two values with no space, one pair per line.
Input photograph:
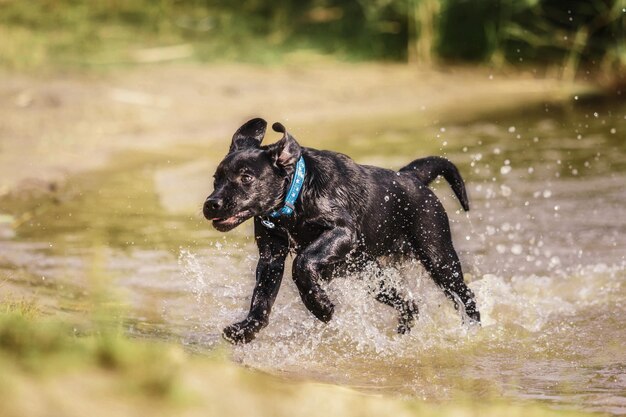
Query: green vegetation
[73,33]
[38,345]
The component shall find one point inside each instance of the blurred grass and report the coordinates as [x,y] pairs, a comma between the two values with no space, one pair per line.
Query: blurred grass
[99,33]
[68,34]
[50,368]
[37,345]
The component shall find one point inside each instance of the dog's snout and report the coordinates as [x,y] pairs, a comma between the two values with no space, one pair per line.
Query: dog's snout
[212,205]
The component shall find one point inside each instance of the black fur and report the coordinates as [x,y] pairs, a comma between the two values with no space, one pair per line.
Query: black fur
[346,217]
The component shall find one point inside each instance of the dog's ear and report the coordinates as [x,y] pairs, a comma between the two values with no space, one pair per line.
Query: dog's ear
[249,135]
[286,152]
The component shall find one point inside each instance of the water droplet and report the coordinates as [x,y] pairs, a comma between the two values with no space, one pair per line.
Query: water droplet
[555,261]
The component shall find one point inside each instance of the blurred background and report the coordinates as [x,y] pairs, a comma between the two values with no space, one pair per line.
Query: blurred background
[115,113]
[564,38]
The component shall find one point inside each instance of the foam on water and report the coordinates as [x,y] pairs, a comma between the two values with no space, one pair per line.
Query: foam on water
[363,330]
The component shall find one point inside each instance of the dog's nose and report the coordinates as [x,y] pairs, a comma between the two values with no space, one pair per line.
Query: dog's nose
[212,204]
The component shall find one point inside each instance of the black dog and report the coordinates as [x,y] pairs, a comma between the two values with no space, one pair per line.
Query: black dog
[343,217]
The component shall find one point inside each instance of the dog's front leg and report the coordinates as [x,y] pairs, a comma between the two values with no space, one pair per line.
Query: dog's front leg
[273,250]
[330,247]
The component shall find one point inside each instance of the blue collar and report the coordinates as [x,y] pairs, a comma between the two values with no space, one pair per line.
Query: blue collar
[292,195]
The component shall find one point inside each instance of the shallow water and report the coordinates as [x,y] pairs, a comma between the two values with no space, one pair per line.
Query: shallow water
[543,249]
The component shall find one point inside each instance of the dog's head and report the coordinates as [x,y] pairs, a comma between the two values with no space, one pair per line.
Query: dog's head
[252,179]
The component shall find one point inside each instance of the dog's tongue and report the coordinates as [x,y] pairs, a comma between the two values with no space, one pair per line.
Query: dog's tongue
[224,220]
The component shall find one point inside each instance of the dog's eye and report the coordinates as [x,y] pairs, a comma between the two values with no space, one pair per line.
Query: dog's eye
[246,179]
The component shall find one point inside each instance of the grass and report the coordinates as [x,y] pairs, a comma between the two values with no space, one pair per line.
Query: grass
[39,346]
[49,367]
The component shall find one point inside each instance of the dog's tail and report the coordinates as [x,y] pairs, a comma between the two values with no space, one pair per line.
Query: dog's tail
[427,169]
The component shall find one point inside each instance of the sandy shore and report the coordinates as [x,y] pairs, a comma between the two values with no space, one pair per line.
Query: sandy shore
[54,126]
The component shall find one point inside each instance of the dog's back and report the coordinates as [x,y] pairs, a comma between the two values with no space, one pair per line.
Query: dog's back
[382,206]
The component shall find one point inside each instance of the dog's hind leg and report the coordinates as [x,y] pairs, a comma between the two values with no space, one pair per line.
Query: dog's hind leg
[387,294]
[444,266]
[433,243]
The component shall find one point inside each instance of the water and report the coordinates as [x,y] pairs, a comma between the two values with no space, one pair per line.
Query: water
[543,248]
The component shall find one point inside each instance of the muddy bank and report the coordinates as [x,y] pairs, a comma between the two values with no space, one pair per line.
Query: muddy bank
[54,126]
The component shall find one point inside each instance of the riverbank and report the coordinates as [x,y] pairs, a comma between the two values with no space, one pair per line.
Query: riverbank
[54,126]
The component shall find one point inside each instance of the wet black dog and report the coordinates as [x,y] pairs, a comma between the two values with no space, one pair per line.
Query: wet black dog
[344,217]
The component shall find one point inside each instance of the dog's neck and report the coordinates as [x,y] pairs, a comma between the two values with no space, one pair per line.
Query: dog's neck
[293,192]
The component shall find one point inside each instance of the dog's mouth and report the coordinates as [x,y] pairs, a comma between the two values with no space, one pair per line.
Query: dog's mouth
[226,223]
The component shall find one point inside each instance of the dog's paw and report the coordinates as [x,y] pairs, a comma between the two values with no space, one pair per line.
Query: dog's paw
[324,311]
[404,328]
[242,332]
[407,318]
[472,318]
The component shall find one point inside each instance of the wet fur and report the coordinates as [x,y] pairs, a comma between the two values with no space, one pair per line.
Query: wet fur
[346,217]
